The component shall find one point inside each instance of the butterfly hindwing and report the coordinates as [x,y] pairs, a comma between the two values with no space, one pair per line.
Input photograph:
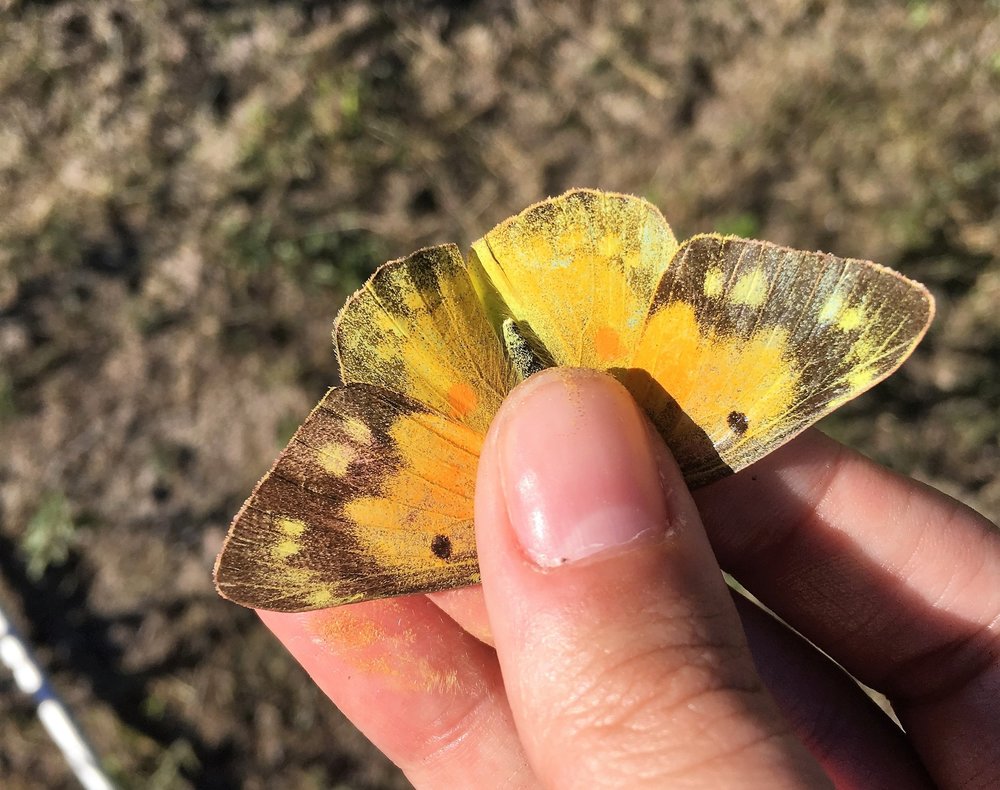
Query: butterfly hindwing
[371,498]
[577,272]
[755,342]
[417,327]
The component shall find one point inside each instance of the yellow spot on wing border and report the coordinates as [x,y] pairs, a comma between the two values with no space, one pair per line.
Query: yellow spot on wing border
[321,597]
[831,309]
[750,289]
[851,318]
[292,527]
[287,548]
[357,431]
[714,280]
[335,458]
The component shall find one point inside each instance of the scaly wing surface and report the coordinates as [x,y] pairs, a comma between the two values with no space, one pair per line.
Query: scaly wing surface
[417,327]
[748,343]
[576,274]
[373,497]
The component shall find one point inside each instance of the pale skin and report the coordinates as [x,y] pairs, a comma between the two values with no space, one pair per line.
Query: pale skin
[604,649]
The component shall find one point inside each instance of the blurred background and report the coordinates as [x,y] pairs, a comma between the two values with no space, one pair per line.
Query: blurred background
[190,189]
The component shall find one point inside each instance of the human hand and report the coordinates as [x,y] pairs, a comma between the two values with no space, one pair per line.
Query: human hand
[604,649]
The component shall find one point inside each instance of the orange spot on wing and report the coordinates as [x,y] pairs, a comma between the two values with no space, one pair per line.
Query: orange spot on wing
[710,375]
[608,344]
[462,398]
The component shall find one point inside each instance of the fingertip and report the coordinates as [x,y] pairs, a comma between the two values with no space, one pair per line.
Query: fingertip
[575,468]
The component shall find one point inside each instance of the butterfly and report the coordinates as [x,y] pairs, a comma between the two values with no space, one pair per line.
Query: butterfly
[731,346]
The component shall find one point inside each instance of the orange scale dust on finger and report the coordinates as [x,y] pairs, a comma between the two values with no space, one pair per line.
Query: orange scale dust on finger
[408,642]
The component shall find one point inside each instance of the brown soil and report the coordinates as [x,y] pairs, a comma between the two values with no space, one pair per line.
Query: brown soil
[189,191]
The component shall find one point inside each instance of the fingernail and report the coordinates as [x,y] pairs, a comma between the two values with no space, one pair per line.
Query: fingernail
[576,467]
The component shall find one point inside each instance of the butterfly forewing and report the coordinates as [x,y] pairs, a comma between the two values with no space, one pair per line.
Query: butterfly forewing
[417,327]
[577,272]
[747,343]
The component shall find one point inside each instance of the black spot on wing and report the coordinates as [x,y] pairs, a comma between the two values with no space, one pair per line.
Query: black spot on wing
[441,547]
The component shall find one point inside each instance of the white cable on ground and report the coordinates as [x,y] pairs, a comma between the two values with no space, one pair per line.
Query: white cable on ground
[55,718]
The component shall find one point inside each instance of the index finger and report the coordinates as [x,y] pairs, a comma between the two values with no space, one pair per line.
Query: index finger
[896,581]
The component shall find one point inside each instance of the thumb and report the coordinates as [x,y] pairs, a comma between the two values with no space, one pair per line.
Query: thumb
[621,650]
